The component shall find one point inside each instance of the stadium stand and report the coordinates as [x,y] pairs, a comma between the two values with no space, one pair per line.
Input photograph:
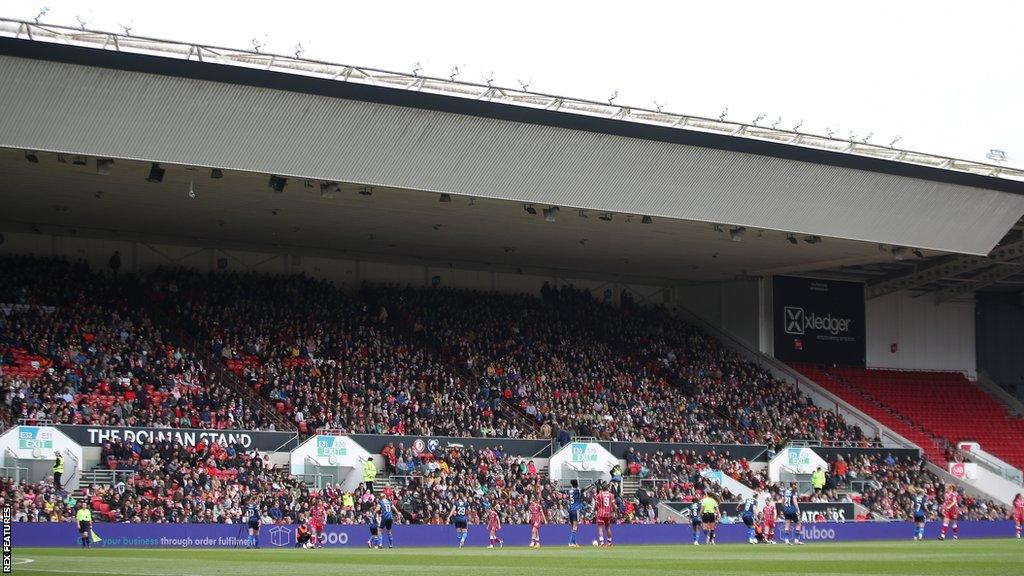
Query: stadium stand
[83,347]
[936,410]
[77,347]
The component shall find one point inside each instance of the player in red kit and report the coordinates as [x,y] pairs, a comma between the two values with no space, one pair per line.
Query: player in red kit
[769,513]
[604,505]
[950,512]
[536,519]
[1018,512]
[317,519]
[493,525]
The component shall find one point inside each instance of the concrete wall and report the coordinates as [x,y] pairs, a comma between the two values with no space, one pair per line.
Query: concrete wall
[928,336]
[733,306]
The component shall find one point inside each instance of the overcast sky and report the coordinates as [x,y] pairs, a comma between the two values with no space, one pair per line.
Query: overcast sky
[946,76]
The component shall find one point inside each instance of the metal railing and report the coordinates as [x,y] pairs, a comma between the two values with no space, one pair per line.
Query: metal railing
[15,472]
[106,477]
[523,97]
[812,443]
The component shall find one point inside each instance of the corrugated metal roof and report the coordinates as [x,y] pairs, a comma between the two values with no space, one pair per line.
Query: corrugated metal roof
[105,112]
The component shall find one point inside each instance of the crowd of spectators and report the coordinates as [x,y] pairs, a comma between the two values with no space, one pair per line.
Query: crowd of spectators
[327,359]
[890,483]
[77,347]
[570,361]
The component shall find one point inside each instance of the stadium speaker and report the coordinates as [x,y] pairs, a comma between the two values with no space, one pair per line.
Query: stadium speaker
[329,189]
[216,173]
[791,238]
[445,198]
[550,214]
[31,156]
[104,166]
[79,160]
[277,183]
[646,220]
[156,173]
[736,234]
[530,209]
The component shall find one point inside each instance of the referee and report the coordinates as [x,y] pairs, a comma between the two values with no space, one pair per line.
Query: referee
[58,470]
[84,517]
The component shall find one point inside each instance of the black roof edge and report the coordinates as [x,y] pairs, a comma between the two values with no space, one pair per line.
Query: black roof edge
[223,73]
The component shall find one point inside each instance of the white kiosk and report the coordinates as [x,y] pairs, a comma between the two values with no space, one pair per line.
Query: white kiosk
[329,458]
[583,461]
[28,453]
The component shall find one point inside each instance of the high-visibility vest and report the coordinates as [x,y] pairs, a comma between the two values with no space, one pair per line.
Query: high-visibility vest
[84,515]
[58,466]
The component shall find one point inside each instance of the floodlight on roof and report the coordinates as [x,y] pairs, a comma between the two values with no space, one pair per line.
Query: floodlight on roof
[550,213]
[812,239]
[647,220]
[607,217]
[32,156]
[791,238]
[997,155]
[216,173]
[530,209]
[445,198]
[104,166]
[736,234]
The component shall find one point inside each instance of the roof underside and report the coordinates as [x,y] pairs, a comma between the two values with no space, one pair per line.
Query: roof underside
[241,211]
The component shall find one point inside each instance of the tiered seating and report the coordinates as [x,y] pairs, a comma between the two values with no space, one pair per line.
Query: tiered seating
[930,405]
[331,360]
[826,377]
[76,347]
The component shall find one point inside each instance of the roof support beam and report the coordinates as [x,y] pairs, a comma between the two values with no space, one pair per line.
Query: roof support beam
[949,269]
[1001,271]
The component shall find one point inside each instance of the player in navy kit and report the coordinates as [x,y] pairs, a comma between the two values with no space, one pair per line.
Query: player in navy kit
[747,514]
[252,517]
[374,525]
[695,521]
[920,513]
[575,507]
[791,513]
[460,514]
[387,518]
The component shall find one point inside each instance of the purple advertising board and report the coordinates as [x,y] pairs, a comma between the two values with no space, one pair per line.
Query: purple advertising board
[28,534]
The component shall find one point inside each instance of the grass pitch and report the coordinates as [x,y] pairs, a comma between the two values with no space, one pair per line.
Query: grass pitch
[965,557]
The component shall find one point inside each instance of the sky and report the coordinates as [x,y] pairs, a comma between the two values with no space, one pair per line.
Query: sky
[947,77]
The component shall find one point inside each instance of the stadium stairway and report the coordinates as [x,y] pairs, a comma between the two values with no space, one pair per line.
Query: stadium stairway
[509,408]
[184,334]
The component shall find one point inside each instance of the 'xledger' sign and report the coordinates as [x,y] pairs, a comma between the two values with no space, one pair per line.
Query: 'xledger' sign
[818,320]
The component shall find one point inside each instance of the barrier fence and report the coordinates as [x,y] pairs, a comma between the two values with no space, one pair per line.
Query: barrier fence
[124,535]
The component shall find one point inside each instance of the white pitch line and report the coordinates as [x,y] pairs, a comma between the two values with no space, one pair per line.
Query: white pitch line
[20,561]
[88,571]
